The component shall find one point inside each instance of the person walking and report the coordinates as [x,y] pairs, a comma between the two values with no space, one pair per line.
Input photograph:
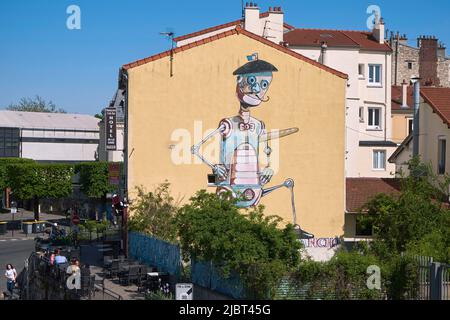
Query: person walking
[11,276]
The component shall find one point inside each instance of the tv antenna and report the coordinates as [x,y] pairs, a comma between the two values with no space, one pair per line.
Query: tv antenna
[170,35]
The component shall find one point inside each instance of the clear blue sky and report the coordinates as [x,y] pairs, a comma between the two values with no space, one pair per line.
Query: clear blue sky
[77,69]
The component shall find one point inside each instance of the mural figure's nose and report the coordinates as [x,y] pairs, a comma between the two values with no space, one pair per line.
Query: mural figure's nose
[256,88]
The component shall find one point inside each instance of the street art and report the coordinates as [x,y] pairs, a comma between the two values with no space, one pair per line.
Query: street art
[242,137]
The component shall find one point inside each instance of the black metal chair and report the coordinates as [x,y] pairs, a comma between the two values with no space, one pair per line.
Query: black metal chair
[131,275]
[114,269]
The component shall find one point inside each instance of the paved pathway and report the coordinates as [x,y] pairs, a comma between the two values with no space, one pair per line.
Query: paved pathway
[126,292]
[29,215]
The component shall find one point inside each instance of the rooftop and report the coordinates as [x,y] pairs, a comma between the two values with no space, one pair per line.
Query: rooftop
[335,38]
[361,190]
[237,31]
[39,120]
[439,100]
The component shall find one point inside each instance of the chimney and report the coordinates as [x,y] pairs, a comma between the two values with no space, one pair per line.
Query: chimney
[252,22]
[405,94]
[379,29]
[274,25]
[428,61]
[323,55]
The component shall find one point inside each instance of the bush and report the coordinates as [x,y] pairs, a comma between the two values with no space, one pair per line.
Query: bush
[153,213]
[214,229]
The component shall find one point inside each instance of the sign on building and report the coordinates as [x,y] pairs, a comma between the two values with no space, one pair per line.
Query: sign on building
[184,291]
[114,173]
[111,129]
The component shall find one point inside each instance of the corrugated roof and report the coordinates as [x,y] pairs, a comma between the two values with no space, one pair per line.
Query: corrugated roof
[39,120]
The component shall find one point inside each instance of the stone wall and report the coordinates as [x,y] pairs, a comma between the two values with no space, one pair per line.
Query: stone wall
[405,54]
[410,54]
[443,72]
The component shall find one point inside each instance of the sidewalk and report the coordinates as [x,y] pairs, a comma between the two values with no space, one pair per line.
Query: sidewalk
[20,235]
[29,215]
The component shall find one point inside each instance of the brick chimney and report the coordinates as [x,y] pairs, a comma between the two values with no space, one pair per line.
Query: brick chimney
[379,30]
[252,22]
[428,60]
[405,94]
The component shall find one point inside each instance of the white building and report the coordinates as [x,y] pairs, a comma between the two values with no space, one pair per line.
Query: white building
[364,56]
[48,137]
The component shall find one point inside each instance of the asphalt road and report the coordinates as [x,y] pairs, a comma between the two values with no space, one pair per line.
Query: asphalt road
[14,252]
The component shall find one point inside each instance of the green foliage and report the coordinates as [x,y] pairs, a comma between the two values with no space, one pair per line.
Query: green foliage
[4,163]
[36,104]
[40,180]
[254,246]
[416,221]
[154,213]
[344,277]
[94,179]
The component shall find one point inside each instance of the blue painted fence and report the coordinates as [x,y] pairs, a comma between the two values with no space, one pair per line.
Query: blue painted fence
[154,252]
[205,274]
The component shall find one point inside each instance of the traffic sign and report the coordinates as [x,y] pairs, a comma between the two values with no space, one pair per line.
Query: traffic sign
[184,291]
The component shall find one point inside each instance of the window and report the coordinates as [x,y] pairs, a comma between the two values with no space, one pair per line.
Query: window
[361,114]
[379,160]
[375,75]
[442,156]
[410,126]
[374,118]
[364,228]
[9,142]
[410,65]
[361,72]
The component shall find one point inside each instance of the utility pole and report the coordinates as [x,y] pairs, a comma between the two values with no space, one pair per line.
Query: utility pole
[416,129]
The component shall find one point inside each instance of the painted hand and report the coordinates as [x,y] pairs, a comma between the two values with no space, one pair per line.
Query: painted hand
[266,176]
[221,171]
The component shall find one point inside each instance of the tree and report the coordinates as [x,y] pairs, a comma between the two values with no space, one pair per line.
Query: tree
[36,104]
[94,180]
[36,181]
[214,229]
[4,163]
[154,213]
[415,221]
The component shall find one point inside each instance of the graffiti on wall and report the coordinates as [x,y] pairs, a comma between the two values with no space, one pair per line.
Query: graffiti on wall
[239,171]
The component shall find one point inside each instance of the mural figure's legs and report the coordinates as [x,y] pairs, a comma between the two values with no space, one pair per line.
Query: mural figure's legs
[289,183]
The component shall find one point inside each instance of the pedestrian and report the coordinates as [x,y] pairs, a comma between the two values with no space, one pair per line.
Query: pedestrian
[11,276]
[59,259]
[52,257]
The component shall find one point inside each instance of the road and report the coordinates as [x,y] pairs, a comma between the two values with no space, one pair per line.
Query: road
[14,252]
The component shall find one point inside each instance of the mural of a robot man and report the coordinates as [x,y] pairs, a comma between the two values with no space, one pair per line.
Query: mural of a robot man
[242,136]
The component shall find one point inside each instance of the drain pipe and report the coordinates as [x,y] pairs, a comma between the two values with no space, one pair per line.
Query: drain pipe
[416,129]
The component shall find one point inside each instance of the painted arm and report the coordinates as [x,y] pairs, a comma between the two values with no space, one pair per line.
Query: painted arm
[218,169]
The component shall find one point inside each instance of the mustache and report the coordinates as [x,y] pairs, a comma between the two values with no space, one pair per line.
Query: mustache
[257,97]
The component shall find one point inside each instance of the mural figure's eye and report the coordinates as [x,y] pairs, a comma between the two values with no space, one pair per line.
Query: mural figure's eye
[239,79]
[264,84]
[251,80]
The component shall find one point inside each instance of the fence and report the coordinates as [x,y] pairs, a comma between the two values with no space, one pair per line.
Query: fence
[208,276]
[42,281]
[156,253]
[433,280]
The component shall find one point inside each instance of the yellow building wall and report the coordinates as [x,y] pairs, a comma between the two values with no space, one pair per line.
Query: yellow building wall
[203,89]
[400,127]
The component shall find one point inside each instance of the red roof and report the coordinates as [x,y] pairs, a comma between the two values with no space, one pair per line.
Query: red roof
[334,38]
[359,191]
[439,100]
[236,31]
[223,26]
[397,98]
